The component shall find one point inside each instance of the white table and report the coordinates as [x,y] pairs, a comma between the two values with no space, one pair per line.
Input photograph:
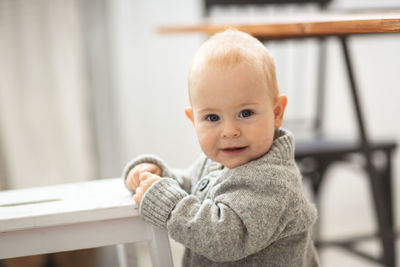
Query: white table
[76,216]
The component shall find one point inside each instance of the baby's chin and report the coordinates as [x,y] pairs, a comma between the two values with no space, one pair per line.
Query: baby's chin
[234,163]
[231,164]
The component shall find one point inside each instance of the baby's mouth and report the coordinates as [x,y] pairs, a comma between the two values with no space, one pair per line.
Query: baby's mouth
[233,150]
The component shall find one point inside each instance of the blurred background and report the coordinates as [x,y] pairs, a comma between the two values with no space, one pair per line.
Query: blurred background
[85,85]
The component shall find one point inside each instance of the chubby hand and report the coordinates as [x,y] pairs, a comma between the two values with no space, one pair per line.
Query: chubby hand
[146,180]
[133,179]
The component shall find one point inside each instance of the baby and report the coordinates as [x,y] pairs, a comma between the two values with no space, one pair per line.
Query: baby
[241,203]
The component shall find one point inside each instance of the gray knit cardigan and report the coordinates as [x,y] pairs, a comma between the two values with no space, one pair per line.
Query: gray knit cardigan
[252,215]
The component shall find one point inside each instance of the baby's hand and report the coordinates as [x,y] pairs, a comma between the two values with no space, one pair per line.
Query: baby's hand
[146,180]
[133,180]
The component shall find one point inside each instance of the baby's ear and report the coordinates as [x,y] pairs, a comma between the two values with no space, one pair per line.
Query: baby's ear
[279,110]
[189,114]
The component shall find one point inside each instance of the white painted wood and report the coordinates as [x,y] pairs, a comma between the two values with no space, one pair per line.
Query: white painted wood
[126,255]
[160,250]
[122,256]
[65,204]
[73,216]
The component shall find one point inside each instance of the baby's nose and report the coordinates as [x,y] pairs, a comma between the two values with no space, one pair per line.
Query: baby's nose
[230,131]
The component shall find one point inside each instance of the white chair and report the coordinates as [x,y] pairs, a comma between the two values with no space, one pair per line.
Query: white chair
[76,216]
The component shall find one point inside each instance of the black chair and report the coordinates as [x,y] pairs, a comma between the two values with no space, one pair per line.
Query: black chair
[315,155]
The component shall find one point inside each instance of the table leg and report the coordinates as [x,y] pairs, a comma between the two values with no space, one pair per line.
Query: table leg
[127,255]
[160,250]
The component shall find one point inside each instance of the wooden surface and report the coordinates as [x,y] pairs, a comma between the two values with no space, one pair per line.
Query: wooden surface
[75,216]
[298,26]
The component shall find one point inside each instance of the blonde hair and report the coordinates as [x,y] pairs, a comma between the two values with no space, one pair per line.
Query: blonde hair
[231,47]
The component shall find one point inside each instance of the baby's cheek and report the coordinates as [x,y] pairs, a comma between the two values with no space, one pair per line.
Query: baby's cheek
[207,145]
[203,136]
[264,142]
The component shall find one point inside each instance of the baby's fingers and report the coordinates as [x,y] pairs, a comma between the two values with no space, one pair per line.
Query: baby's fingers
[144,185]
[132,181]
[155,169]
[137,197]
[150,167]
[144,176]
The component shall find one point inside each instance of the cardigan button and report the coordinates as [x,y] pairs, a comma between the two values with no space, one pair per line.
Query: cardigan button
[203,184]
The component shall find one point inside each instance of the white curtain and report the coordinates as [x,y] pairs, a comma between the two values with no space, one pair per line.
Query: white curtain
[45,104]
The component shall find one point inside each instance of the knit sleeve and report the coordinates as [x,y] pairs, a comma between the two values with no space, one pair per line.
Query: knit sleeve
[183,177]
[243,214]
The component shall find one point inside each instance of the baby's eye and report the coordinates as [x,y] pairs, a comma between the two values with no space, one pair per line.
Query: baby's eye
[245,113]
[212,117]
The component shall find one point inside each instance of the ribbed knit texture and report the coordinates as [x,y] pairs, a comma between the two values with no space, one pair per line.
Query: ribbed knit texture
[252,215]
[157,205]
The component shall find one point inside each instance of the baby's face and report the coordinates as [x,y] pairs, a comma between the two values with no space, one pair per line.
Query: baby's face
[233,114]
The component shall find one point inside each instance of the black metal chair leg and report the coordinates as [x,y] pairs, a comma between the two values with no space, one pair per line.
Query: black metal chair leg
[387,233]
[379,183]
[387,189]
[316,182]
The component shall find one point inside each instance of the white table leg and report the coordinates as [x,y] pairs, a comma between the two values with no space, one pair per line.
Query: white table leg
[160,250]
[127,255]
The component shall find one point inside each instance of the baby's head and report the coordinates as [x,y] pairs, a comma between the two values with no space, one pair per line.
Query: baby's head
[235,101]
